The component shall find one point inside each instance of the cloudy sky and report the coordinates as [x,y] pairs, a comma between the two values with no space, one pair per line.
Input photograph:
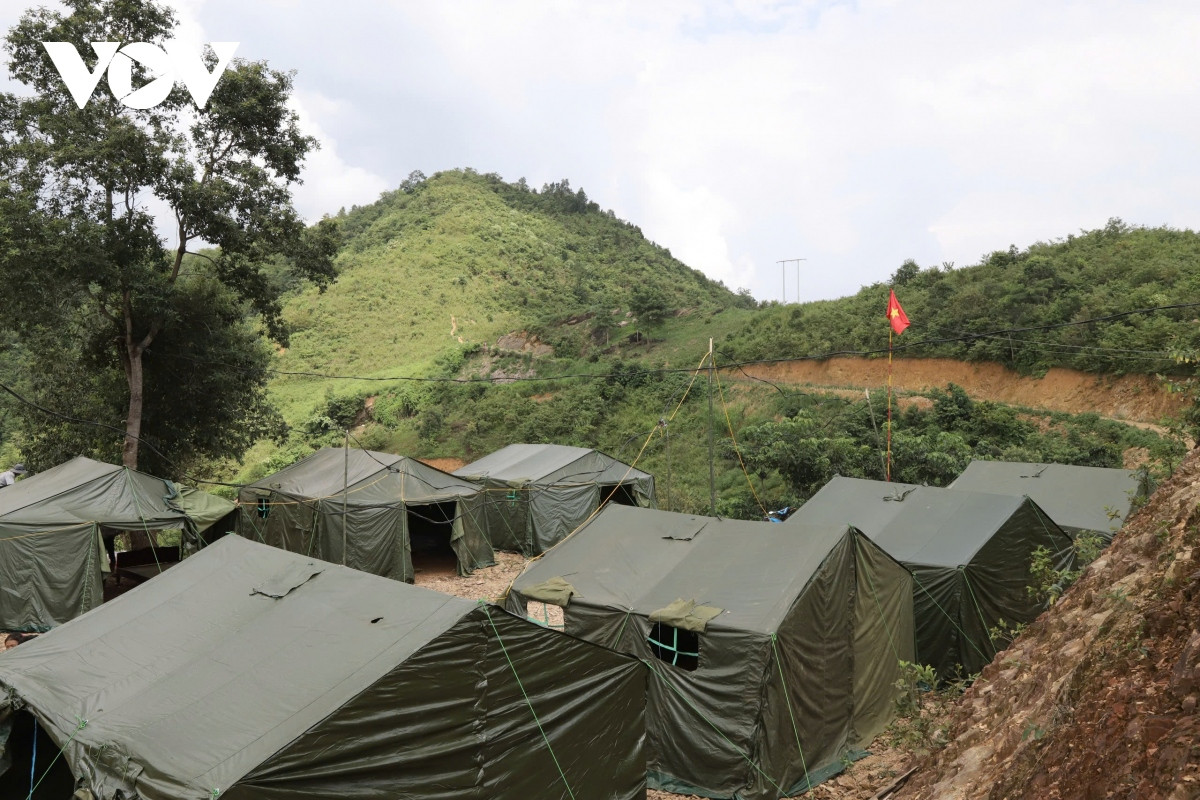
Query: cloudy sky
[739,133]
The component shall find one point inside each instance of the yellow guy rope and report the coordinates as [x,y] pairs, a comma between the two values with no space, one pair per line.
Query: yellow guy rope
[733,437]
[579,527]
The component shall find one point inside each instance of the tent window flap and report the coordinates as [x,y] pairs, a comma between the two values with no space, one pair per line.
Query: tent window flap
[676,646]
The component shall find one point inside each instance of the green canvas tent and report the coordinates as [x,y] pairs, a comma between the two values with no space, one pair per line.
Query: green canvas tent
[539,493]
[771,649]
[969,553]
[213,516]
[250,673]
[369,511]
[52,558]
[1077,498]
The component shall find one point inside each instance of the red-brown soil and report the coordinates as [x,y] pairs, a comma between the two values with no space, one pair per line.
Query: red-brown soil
[1098,698]
[1128,397]
[446,464]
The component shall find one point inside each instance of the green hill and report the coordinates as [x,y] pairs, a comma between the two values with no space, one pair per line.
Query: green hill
[435,273]
[456,261]
[569,326]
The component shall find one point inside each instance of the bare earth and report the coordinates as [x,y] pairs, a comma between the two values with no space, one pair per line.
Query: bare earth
[1098,698]
[1142,398]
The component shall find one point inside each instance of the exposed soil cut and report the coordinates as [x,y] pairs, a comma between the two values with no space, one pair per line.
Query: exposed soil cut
[1128,397]
[446,464]
[1098,698]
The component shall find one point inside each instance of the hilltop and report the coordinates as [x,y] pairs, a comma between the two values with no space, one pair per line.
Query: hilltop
[449,264]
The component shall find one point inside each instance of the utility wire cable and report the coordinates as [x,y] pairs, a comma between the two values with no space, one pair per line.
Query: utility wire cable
[960,337]
[596,376]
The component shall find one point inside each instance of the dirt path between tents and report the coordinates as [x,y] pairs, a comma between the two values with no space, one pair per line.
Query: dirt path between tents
[1128,398]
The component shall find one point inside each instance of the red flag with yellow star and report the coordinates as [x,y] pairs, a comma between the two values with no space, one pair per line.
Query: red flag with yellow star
[896,315]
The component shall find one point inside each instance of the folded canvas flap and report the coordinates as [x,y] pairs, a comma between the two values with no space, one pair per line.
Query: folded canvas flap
[687,615]
[290,579]
[692,531]
[555,591]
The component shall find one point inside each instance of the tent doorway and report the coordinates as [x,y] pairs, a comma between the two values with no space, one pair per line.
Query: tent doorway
[622,494]
[51,776]
[430,527]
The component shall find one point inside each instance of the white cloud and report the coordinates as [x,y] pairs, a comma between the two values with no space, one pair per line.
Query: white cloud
[695,220]
[741,132]
[329,183]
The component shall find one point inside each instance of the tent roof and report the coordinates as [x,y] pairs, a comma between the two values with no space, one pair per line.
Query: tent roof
[83,490]
[914,524]
[643,560]
[210,669]
[538,463]
[205,509]
[375,479]
[1076,497]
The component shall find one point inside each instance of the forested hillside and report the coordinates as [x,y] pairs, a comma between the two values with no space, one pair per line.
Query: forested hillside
[470,313]
[463,258]
[445,265]
[603,330]
[1094,275]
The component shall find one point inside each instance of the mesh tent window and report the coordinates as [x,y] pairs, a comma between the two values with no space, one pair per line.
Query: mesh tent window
[676,646]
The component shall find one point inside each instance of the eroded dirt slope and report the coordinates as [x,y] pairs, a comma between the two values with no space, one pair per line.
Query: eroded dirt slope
[1133,397]
[1098,698]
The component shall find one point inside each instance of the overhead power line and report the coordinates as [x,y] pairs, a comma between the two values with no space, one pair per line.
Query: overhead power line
[959,337]
[739,365]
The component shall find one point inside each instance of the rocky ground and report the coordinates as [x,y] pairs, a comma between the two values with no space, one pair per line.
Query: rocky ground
[1098,697]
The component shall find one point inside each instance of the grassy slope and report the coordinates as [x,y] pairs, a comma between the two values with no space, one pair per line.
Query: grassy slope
[441,270]
[469,254]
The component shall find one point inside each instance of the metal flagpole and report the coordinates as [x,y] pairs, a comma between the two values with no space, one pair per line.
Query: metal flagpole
[889,405]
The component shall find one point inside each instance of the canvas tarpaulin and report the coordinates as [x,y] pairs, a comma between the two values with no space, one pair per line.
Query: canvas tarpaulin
[686,614]
[1077,498]
[785,638]
[555,590]
[540,493]
[328,683]
[206,510]
[52,555]
[969,552]
[370,521]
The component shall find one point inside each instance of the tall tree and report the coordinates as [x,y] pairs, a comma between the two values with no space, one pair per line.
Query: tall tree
[79,251]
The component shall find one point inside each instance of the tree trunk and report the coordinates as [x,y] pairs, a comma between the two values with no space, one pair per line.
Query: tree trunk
[133,427]
[133,419]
